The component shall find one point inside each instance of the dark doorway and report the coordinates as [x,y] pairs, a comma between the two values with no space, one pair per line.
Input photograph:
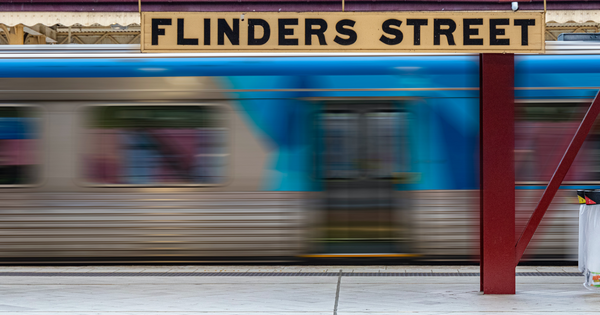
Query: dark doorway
[362,150]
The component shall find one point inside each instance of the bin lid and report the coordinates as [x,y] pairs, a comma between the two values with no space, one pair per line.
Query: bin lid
[592,197]
[581,196]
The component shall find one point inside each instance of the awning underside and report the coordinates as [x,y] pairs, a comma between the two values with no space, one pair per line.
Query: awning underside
[70,18]
[133,18]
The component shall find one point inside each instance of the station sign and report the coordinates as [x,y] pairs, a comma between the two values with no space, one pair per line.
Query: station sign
[404,31]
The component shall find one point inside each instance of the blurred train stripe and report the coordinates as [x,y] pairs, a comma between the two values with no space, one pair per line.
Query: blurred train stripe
[274,274]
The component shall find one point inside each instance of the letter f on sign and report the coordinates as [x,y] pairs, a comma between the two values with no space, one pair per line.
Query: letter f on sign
[158,31]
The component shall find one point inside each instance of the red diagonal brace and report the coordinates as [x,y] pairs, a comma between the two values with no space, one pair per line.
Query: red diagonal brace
[557,178]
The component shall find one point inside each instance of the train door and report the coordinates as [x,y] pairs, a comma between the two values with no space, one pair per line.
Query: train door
[362,149]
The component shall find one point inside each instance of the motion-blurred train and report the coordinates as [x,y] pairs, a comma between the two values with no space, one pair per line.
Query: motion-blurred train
[109,155]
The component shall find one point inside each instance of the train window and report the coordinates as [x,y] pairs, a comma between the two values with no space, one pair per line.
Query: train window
[18,145]
[385,134]
[542,133]
[362,142]
[340,155]
[155,145]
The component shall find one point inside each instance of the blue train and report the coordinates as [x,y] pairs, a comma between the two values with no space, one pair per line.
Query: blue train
[111,155]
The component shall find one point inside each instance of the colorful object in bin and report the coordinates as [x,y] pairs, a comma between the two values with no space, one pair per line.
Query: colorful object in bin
[595,279]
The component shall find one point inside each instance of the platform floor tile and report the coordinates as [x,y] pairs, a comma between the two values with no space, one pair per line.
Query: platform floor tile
[106,292]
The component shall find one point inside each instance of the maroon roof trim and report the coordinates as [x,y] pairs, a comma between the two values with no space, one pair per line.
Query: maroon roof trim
[285,5]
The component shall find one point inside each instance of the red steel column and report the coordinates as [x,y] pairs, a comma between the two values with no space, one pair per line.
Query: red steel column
[497,182]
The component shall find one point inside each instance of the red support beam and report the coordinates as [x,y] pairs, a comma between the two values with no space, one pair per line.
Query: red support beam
[497,182]
[557,178]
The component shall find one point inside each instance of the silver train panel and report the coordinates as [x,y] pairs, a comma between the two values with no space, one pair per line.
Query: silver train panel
[41,225]
[202,225]
[446,224]
[557,236]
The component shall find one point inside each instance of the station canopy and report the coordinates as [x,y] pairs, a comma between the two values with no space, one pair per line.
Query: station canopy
[133,18]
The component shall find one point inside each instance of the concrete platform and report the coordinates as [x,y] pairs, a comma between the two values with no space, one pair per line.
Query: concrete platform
[288,290]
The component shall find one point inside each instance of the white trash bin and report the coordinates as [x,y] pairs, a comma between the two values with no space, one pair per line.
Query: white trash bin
[590,240]
[581,252]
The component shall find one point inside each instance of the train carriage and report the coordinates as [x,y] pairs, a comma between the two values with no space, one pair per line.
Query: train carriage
[111,155]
